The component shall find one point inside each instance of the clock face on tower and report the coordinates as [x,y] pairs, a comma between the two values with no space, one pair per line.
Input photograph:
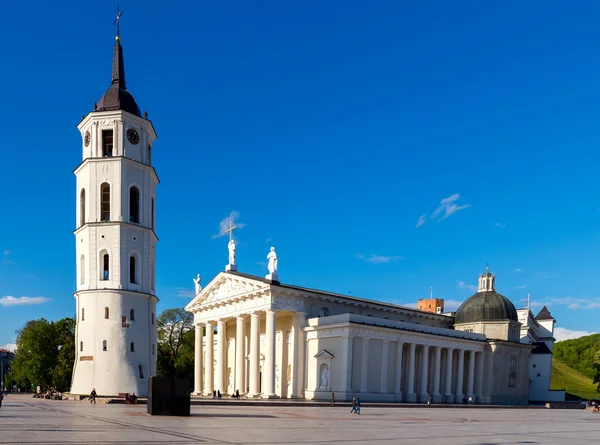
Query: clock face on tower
[133,136]
[86,138]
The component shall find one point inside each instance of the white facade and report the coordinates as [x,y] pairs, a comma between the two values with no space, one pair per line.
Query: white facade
[538,331]
[276,340]
[115,255]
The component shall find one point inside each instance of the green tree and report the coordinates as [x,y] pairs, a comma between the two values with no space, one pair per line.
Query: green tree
[596,367]
[175,343]
[39,360]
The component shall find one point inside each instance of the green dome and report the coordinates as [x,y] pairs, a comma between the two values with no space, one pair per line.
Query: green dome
[486,306]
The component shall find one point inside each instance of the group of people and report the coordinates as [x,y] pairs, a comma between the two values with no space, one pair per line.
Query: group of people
[355,406]
[50,394]
[217,394]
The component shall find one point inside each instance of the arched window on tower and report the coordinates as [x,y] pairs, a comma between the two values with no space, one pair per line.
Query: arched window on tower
[81,346]
[105,266]
[82,269]
[82,314]
[105,202]
[132,314]
[152,214]
[149,154]
[106,313]
[132,271]
[132,347]
[104,346]
[82,207]
[134,205]
[107,143]
[141,370]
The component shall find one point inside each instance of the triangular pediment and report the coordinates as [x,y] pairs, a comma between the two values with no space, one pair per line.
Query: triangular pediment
[223,287]
[324,354]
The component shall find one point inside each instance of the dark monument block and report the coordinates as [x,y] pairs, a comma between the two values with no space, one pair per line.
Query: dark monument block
[169,396]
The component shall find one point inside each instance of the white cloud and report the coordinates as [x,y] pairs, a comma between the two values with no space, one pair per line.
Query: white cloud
[567,334]
[546,275]
[498,224]
[224,224]
[378,259]
[517,270]
[463,285]
[183,292]
[523,286]
[9,347]
[22,301]
[447,207]
[451,305]
[6,252]
[268,240]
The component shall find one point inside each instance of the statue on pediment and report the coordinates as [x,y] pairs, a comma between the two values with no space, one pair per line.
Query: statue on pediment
[197,284]
[272,257]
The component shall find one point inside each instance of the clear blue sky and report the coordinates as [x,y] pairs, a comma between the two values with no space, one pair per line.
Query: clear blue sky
[331,128]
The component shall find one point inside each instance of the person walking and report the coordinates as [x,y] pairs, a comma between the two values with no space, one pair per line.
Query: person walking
[93,396]
[358,406]
[1,397]
[353,410]
[332,399]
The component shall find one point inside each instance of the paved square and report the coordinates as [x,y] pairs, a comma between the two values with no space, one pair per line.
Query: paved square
[24,420]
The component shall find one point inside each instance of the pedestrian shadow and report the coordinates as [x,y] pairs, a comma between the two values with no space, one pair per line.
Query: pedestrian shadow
[248,416]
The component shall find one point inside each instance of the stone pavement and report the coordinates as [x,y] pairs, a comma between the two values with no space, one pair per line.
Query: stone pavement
[24,420]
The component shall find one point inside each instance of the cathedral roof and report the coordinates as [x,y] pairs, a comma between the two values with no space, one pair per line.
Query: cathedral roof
[117,97]
[544,314]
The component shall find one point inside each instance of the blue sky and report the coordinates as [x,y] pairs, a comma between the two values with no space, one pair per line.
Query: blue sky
[381,148]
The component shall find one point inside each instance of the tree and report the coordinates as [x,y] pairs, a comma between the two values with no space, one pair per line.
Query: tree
[39,360]
[596,367]
[175,343]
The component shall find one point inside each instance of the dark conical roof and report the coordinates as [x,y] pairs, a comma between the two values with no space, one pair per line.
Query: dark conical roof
[117,97]
[486,306]
[544,314]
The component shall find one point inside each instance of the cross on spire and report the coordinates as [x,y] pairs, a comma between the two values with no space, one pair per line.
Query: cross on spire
[118,22]
[230,230]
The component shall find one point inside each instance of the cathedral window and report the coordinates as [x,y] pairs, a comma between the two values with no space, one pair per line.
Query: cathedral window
[106,313]
[134,205]
[149,154]
[132,347]
[82,269]
[152,317]
[104,346]
[132,314]
[132,271]
[152,348]
[82,207]
[81,346]
[105,266]
[105,202]
[107,143]
[141,370]
[83,315]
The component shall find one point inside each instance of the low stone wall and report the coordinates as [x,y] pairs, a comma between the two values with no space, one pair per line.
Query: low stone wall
[564,405]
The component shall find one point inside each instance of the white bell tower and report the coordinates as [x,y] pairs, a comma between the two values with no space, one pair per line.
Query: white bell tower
[115,246]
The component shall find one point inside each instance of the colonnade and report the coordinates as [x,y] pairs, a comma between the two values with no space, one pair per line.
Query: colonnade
[445,374]
[247,366]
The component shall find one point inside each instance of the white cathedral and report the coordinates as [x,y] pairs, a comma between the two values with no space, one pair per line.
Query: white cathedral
[262,337]
[115,245]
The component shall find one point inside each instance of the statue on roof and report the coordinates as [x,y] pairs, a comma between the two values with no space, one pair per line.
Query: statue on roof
[272,257]
[231,247]
[197,284]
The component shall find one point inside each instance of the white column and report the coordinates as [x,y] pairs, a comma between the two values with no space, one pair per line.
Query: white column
[240,354]
[448,396]
[480,377]
[424,394]
[254,354]
[220,377]
[437,397]
[209,364]
[411,396]
[365,365]
[298,323]
[384,366]
[471,375]
[269,367]
[198,360]
[460,375]
[398,379]
[346,366]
